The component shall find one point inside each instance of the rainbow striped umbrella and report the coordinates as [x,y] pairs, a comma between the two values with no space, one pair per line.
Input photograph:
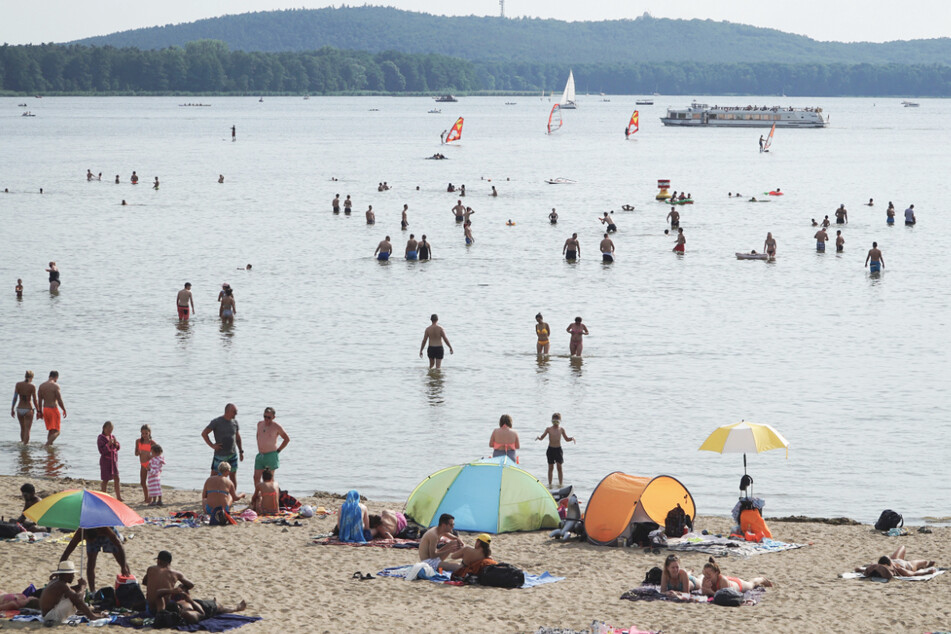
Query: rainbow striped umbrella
[82,508]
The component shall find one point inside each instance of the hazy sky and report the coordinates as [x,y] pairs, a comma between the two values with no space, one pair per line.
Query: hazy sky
[870,20]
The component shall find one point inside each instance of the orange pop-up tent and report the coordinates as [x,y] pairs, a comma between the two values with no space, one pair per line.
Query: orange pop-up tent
[620,501]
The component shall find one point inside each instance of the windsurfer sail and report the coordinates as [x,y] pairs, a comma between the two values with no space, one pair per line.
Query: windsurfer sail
[633,126]
[554,118]
[764,145]
[456,132]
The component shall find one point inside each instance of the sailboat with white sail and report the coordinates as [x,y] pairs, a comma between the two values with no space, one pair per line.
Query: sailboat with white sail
[568,97]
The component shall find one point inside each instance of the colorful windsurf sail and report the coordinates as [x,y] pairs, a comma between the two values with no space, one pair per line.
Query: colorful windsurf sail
[554,118]
[634,125]
[456,132]
[769,139]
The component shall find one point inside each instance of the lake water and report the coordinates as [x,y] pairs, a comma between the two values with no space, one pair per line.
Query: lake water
[851,368]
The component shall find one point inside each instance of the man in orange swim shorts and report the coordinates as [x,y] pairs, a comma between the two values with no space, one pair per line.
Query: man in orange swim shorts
[50,401]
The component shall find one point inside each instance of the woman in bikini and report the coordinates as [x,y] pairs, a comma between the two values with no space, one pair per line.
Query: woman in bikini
[504,440]
[770,245]
[265,500]
[674,579]
[713,580]
[577,331]
[543,330]
[24,405]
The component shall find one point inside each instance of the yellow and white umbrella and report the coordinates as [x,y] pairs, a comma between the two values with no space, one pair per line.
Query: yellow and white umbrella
[744,437]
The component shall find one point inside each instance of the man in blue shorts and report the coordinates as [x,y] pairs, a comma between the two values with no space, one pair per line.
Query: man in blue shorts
[227,438]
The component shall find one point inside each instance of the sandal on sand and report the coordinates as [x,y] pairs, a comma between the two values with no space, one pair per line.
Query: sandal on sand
[362,577]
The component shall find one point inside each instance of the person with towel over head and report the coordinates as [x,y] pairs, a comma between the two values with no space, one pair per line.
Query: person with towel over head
[353,520]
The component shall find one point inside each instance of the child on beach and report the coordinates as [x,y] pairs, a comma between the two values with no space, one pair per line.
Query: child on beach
[109,458]
[155,475]
[555,455]
[143,450]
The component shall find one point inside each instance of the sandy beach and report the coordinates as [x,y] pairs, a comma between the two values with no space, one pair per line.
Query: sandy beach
[297,586]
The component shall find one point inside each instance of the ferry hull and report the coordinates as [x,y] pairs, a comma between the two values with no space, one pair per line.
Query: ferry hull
[722,123]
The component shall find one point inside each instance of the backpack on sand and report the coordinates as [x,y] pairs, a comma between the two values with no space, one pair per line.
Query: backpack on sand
[501,576]
[728,597]
[677,520]
[889,519]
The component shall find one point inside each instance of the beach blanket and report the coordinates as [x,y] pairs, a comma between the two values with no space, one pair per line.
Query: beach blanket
[722,547]
[596,627]
[174,522]
[27,537]
[649,592]
[220,623]
[531,581]
[859,575]
[379,543]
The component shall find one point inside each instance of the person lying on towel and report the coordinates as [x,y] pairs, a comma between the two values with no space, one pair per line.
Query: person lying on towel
[474,558]
[898,566]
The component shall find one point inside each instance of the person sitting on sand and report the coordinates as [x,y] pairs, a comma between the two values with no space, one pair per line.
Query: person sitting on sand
[674,579]
[713,580]
[353,520]
[898,566]
[59,600]
[162,583]
[474,558]
[218,493]
[266,498]
[439,542]
[28,491]
[387,525]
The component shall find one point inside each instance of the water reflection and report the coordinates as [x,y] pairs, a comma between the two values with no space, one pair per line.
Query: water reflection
[184,331]
[541,364]
[227,330]
[577,363]
[434,388]
[39,460]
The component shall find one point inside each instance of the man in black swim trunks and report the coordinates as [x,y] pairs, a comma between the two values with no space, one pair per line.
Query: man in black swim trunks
[435,335]
[459,211]
[572,248]
[609,221]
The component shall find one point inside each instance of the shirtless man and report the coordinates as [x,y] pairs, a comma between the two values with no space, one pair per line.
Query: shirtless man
[673,218]
[97,540]
[459,211]
[196,610]
[60,601]
[821,238]
[841,215]
[439,542]
[384,249]
[183,300]
[839,242]
[412,248]
[335,203]
[609,221]
[404,221]
[347,206]
[769,246]
[467,216]
[161,582]
[876,258]
[371,217]
[435,335]
[825,222]
[24,405]
[607,250]
[49,401]
[572,248]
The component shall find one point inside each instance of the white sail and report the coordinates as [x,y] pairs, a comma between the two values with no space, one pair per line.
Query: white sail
[568,97]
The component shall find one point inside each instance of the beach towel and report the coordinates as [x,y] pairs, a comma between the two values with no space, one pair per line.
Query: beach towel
[378,543]
[351,519]
[722,547]
[531,581]
[652,593]
[859,575]
[596,627]
[219,623]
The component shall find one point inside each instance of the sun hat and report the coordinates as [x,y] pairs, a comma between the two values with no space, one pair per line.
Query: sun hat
[65,568]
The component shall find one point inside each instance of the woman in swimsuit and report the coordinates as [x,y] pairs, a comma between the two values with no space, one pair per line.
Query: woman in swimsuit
[713,580]
[675,579]
[770,245]
[54,277]
[265,499]
[542,329]
[504,440]
[219,490]
[577,331]
[19,288]
[143,450]
[24,405]
[227,309]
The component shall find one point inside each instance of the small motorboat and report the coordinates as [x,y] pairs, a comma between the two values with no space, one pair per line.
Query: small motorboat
[434,111]
[27,114]
[560,181]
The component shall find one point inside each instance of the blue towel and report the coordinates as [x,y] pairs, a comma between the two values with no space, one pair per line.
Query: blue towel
[351,519]
[220,623]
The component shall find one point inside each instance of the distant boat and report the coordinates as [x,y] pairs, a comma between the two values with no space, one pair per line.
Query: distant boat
[306,96]
[910,104]
[554,118]
[27,114]
[445,99]
[561,181]
[568,97]
[644,102]
[510,103]
[261,100]
[456,132]
[434,111]
[21,105]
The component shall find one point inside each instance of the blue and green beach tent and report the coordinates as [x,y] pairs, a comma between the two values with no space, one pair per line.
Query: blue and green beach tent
[491,495]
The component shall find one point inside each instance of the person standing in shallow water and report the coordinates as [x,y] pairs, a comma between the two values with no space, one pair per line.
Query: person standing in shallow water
[543,331]
[434,335]
[54,277]
[875,261]
[572,248]
[577,330]
[25,405]
[49,400]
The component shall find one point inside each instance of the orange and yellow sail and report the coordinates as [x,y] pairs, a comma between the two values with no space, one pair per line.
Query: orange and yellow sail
[456,132]
[633,126]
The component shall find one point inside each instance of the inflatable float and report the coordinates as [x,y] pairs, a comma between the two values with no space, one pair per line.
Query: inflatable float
[627,207]
[685,201]
[774,193]
[752,256]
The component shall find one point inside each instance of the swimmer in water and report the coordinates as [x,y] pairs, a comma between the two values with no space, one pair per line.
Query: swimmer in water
[347,206]
[221,178]
[371,217]
[609,221]
[404,222]
[124,203]
[19,288]
[577,330]
[510,223]
[572,248]
[155,185]
[543,331]
[769,245]
[424,249]
[383,250]
[814,223]
[459,211]
[674,218]
[412,248]
[839,242]
[467,231]
[890,213]
[336,204]
[553,216]
[681,241]
[494,193]
[870,203]
[876,258]
[607,250]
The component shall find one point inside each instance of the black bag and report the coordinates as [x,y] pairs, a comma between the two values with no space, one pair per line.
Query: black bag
[129,596]
[105,598]
[653,576]
[10,530]
[677,520]
[641,535]
[889,519]
[501,576]
[728,597]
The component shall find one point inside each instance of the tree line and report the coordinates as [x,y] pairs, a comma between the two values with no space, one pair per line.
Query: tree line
[208,66]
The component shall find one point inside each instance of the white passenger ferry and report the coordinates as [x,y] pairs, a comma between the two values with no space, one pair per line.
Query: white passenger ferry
[700,114]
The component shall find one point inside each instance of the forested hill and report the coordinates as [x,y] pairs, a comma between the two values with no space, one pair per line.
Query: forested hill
[641,40]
